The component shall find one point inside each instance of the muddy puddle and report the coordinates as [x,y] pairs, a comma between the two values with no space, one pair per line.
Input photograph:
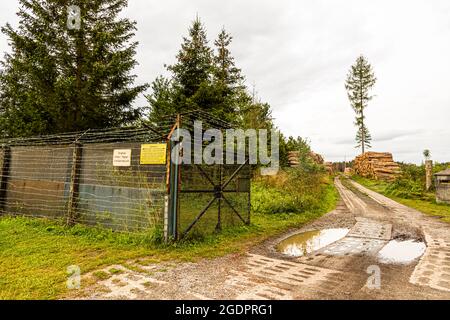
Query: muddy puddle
[401,251]
[306,242]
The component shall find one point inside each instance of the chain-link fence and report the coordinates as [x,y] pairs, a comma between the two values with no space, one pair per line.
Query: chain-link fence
[94,177]
[124,179]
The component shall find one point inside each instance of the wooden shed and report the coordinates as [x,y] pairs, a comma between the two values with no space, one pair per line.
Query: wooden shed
[442,181]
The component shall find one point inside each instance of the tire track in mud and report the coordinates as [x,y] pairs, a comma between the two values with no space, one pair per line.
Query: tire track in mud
[433,269]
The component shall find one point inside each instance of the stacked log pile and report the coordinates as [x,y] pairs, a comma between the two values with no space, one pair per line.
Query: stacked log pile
[317,158]
[376,165]
[294,161]
[293,158]
[329,167]
[348,171]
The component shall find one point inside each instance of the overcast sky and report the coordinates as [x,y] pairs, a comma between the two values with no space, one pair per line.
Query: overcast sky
[297,54]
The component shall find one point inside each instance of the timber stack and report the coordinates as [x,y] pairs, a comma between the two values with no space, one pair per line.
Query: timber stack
[317,158]
[329,167]
[294,158]
[376,165]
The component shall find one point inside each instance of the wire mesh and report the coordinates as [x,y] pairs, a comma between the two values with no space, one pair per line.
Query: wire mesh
[212,197]
[39,173]
[205,187]
[73,176]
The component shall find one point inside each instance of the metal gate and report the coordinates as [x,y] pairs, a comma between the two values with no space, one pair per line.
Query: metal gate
[205,199]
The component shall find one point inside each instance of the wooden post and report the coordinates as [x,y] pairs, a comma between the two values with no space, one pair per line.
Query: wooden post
[4,177]
[74,184]
[429,174]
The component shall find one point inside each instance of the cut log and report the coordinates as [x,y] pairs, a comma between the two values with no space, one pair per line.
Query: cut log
[376,165]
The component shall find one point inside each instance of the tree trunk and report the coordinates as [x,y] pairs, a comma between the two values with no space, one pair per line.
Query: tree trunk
[363,134]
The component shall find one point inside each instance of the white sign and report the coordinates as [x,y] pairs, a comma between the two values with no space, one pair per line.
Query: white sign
[122,158]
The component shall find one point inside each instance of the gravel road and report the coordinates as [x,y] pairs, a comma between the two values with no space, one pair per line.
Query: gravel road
[349,268]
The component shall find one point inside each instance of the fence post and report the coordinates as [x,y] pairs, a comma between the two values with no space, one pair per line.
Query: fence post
[168,220]
[219,200]
[173,178]
[74,184]
[4,177]
[429,174]
[249,197]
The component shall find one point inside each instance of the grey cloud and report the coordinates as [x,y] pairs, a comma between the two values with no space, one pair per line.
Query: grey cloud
[298,54]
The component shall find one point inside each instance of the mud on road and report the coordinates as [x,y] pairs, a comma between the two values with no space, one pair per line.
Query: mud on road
[344,269]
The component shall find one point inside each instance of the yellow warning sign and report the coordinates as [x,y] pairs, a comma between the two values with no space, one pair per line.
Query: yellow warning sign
[153,153]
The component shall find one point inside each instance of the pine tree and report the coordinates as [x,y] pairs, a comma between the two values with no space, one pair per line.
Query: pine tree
[363,136]
[194,61]
[360,80]
[206,79]
[253,114]
[161,100]
[190,86]
[59,79]
[225,70]
[227,77]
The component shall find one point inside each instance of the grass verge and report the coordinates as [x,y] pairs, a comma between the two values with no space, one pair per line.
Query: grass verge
[427,205]
[35,253]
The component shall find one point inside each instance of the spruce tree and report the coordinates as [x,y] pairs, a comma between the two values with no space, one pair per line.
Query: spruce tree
[62,76]
[225,71]
[360,80]
[206,79]
[194,61]
[190,86]
[227,77]
[362,135]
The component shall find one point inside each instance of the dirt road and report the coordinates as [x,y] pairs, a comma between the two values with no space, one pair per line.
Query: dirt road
[349,268]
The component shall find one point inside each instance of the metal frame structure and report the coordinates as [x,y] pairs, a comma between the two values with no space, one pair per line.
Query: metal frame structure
[80,148]
[217,190]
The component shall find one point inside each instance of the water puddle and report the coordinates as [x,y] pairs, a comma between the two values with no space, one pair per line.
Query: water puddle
[401,251]
[303,243]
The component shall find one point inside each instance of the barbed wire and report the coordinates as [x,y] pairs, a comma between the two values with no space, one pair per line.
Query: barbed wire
[40,173]
[37,180]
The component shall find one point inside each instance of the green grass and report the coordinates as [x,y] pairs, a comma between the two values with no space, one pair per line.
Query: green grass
[427,204]
[35,253]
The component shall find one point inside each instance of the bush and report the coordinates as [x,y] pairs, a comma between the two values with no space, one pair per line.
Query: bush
[411,183]
[292,190]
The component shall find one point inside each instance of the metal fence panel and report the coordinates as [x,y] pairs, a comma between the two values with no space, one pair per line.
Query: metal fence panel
[78,174]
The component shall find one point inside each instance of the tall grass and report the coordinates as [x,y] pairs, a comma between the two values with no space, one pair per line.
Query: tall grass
[411,183]
[292,190]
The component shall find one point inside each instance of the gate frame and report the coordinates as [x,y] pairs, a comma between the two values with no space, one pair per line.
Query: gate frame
[173,180]
[218,192]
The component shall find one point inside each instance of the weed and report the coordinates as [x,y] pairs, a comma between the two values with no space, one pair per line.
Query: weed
[101,275]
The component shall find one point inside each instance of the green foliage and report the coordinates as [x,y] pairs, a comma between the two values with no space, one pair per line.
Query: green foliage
[411,183]
[302,146]
[57,79]
[427,154]
[363,137]
[360,80]
[293,190]
[206,78]
[101,275]
[194,62]
[406,188]
[58,228]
